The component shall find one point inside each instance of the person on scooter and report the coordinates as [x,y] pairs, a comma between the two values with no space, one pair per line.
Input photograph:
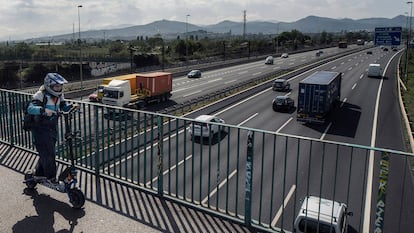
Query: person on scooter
[46,117]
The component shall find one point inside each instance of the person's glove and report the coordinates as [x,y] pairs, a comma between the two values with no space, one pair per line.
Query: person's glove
[49,112]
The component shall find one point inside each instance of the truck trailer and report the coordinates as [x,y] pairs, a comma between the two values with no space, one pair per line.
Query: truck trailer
[317,95]
[137,90]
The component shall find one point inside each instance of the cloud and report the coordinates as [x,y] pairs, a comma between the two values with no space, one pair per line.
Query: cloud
[21,18]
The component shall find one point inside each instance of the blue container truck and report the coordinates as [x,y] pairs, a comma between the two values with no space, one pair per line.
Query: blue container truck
[317,95]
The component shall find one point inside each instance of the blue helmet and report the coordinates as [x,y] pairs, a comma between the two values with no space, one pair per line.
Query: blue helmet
[52,79]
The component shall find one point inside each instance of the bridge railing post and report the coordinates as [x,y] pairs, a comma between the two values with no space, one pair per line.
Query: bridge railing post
[249,179]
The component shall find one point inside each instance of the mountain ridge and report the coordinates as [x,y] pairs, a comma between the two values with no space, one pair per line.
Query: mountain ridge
[172,29]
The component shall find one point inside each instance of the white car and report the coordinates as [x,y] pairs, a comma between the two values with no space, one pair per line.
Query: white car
[327,215]
[284,55]
[203,127]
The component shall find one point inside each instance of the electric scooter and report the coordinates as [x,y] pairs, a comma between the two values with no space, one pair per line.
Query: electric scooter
[68,178]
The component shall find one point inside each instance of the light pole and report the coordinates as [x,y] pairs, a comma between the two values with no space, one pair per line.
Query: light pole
[80,49]
[406,52]
[186,40]
[409,41]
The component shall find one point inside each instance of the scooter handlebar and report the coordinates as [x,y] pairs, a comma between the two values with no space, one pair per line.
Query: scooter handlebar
[74,108]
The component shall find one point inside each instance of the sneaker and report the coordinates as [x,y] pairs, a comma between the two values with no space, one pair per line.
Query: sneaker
[60,186]
[53,180]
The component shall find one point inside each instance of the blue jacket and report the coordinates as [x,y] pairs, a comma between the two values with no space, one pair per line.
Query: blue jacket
[52,103]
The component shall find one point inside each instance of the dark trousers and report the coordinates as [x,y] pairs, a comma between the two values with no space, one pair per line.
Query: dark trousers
[45,142]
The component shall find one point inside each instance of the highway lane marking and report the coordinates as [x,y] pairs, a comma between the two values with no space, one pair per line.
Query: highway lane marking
[277,67]
[192,93]
[169,169]
[368,197]
[279,212]
[248,119]
[353,87]
[214,80]
[333,68]
[243,72]
[343,102]
[241,102]
[256,73]
[287,122]
[350,68]
[204,201]
[234,80]
[360,77]
[326,131]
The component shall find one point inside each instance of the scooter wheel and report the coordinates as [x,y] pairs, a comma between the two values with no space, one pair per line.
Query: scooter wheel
[77,199]
[28,179]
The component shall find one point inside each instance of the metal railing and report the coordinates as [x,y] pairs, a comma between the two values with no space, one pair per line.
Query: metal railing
[255,177]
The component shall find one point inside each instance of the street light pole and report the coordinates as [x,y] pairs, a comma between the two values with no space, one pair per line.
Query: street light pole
[80,49]
[406,51]
[408,42]
[186,40]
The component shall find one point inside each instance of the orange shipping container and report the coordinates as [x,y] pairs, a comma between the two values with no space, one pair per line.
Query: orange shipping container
[157,83]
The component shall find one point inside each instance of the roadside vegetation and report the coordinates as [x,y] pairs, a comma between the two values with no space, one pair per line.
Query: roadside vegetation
[408,92]
[25,63]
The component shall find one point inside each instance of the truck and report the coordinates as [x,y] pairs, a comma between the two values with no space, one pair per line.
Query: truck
[137,90]
[317,95]
[343,44]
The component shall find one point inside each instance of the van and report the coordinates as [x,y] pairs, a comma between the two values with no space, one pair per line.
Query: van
[374,70]
[269,60]
[322,215]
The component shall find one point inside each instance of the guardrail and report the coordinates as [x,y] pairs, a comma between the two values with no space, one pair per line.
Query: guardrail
[254,177]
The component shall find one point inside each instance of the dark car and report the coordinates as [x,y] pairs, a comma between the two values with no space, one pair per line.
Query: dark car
[281,85]
[194,74]
[283,103]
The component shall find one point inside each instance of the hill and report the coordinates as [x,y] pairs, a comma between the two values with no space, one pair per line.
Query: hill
[171,29]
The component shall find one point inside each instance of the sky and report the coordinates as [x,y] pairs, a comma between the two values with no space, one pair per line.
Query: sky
[23,19]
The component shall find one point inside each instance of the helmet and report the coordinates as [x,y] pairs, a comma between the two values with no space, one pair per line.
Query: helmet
[52,79]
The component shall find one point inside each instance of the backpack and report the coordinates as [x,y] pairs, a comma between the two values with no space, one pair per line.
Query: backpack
[28,119]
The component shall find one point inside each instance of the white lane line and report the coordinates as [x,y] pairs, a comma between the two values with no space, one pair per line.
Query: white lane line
[353,87]
[243,72]
[343,102]
[350,68]
[170,169]
[220,185]
[333,68]
[360,77]
[277,67]
[248,119]
[326,131]
[279,212]
[192,93]
[281,127]
[256,73]
[230,81]
[214,80]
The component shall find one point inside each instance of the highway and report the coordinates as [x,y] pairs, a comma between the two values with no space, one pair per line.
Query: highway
[285,170]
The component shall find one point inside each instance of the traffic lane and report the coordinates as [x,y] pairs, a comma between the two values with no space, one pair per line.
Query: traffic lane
[258,121]
[352,122]
[185,90]
[390,134]
[368,82]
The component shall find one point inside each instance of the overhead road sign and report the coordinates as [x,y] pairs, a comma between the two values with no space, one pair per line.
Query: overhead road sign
[388,36]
